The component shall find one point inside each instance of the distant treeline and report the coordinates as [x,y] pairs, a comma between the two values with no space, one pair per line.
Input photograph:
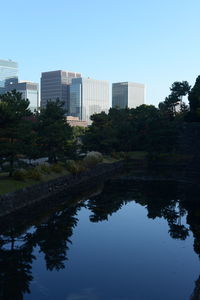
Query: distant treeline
[172,127]
[168,128]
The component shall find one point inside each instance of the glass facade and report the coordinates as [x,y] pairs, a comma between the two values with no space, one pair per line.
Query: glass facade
[8,69]
[127,94]
[75,99]
[55,85]
[120,95]
[87,97]
[29,91]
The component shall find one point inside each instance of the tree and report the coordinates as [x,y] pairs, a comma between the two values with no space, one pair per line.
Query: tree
[53,131]
[100,135]
[178,90]
[74,145]
[194,102]
[14,125]
[141,129]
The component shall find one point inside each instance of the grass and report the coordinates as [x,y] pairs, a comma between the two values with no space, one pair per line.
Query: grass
[175,158]
[8,185]
[109,160]
[140,155]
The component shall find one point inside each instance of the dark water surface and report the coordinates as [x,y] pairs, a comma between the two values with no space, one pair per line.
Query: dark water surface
[126,240]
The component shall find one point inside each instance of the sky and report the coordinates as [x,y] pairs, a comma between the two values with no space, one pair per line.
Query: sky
[154,42]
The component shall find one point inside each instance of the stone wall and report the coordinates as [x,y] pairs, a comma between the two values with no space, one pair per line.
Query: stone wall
[21,198]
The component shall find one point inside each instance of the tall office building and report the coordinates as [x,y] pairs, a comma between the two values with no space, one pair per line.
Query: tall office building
[88,96]
[29,90]
[8,69]
[55,85]
[127,94]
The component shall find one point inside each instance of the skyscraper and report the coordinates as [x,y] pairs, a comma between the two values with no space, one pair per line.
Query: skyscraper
[127,94]
[8,69]
[29,90]
[55,85]
[88,96]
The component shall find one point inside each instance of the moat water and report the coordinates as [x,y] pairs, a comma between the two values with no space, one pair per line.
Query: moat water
[121,241]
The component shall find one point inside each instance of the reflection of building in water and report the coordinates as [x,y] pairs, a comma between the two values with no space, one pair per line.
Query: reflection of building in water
[75,121]
[28,89]
[87,97]
[8,69]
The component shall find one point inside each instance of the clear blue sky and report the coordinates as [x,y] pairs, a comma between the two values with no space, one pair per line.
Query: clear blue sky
[154,42]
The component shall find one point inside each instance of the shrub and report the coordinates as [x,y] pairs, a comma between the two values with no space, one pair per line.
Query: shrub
[121,155]
[75,167]
[45,168]
[20,174]
[56,168]
[92,159]
[125,155]
[34,174]
[115,155]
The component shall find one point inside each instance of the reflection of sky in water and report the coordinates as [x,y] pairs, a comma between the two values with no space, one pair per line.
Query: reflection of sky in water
[19,240]
[127,257]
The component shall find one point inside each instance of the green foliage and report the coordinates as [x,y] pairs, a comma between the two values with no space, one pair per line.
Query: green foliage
[73,146]
[119,132]
[100,136]
[121,155]
[194,102]
[56,168]
[92,159]
[180,89]
[169,106]
[116,155]
[53,131]
[45,168]
[144,128]
[34,174]
[20,174]
[15,127]
[78,131]
[75,167]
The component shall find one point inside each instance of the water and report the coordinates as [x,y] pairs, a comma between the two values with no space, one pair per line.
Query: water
[124,241]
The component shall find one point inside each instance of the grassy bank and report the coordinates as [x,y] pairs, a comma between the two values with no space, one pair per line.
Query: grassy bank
[11,184]
[8,184]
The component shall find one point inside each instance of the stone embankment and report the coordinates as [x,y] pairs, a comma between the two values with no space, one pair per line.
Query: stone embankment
[11,202]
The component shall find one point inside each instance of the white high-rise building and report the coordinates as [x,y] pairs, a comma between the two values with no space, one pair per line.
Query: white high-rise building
[87,97]
[127,94]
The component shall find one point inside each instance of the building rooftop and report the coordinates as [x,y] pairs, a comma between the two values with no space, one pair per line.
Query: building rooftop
[75,121]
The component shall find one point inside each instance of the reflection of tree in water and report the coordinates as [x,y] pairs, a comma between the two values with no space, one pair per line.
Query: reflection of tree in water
[192,205]
[53,237]
[52,230]
[16,248]
[161,200]
[15,266]
[105,204]
[196,292]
